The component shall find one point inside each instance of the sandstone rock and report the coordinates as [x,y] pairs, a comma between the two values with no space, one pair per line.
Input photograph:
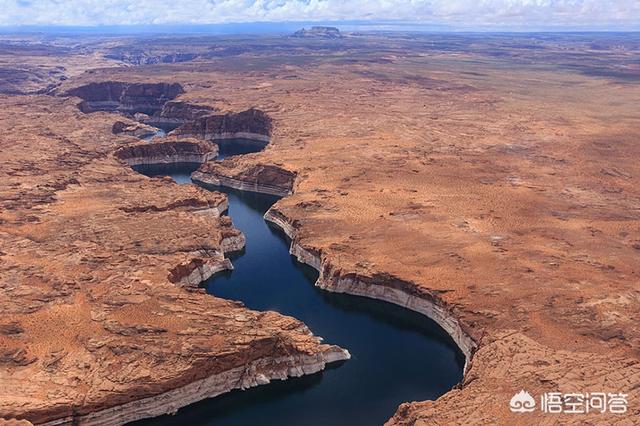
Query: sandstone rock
[14,422]
[167,150]
[95,260]
[264,178]
[407,158]
[177,113]
[125,97]
[250,124]
[137,130]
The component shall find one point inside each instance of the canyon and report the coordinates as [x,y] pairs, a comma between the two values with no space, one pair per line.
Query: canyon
[107,292]
[451,176]
[371,330]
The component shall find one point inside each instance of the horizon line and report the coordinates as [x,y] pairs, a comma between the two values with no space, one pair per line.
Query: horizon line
[261,27]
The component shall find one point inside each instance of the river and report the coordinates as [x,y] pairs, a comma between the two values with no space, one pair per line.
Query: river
[397,355]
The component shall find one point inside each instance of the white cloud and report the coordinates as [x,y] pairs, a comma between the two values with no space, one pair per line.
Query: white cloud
[613,14]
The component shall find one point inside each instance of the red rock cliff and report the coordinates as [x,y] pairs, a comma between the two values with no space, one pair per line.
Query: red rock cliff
[250,123]
[125,97]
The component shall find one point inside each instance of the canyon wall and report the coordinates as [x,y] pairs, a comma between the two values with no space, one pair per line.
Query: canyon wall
[375,285]
[250,124]
[259,372]
[167,151]
[127,98]
[274,180]
[263,178]
[177,113]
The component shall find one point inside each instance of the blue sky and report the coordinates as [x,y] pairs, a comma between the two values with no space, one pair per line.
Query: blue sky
[453,14]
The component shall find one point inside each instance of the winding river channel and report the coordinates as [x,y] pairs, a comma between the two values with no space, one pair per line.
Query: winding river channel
[397,355]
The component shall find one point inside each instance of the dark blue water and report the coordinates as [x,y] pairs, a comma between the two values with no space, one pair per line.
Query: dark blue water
[397,355]
[238,146]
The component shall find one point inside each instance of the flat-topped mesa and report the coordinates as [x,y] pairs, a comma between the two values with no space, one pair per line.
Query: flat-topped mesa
[127,98]
[192,200]
[176,113]
[318,32]
[252,124]
[167,151]
[263,178]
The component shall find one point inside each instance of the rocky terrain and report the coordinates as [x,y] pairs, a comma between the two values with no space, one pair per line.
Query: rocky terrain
[33,63]
[167,150]
[263,178]
[134,128]
[176,113]
[124,97]
[102,319]
[489,183]
[250,124]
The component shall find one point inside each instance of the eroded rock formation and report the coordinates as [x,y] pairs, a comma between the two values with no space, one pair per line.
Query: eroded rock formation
[167,150]
[264,178]
[375,285]
[177,113]
[250,124]
[102,321]
[138,130]
[510,199]
[125,97]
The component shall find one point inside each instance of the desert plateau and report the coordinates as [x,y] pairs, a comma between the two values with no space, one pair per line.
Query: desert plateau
[319,227]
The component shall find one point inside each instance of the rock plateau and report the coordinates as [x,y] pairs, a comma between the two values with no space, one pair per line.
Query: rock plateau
[488,181]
